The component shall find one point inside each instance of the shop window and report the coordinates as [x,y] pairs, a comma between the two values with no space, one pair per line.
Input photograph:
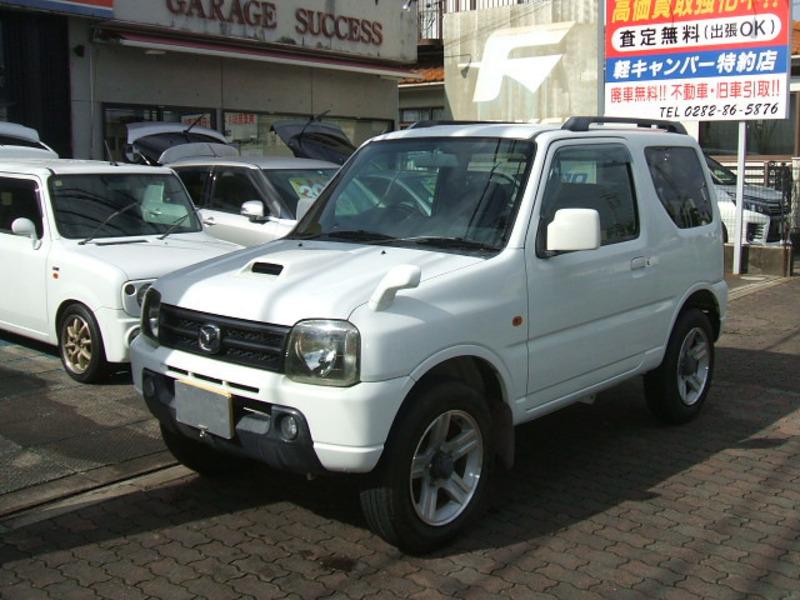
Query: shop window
[409,116]
[252,132]
[770,137]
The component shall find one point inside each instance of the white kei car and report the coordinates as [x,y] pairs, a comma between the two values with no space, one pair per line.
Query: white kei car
[81,241]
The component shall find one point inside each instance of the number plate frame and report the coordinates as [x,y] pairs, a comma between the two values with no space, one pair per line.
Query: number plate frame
[204,409]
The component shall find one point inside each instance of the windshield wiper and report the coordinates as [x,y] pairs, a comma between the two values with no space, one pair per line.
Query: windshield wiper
[450,243]
[175,225]
[357,235]
[106,221]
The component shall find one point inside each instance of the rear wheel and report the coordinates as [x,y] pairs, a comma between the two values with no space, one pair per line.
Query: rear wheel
[433,477]
[81,345]
[676,391]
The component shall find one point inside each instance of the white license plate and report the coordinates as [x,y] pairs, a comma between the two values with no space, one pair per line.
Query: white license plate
[204,409]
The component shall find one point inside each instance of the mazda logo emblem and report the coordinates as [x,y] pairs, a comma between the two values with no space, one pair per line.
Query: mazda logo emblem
[209,338]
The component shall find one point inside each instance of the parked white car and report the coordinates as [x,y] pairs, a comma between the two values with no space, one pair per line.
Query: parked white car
[80,242]
[451,282]
[764,215]
[252,200]
[247,200]
[755,225]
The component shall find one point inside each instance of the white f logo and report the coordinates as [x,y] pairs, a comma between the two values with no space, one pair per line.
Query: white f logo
[528,71]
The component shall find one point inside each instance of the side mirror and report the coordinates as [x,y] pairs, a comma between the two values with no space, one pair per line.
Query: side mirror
[574,229]
[24,227]
[253,210]
[303,204]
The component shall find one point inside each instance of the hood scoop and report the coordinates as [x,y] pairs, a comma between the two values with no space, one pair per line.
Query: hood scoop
[265,268]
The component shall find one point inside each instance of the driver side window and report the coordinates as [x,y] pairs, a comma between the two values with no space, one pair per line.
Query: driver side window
[232,188]
[18,199]
[596,177]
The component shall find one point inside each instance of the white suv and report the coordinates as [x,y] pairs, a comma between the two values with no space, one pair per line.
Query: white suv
[451,282]
[80,243]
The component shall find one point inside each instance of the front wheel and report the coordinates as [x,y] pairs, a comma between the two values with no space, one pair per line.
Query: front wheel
[677,389]
[81,345]
[433,477]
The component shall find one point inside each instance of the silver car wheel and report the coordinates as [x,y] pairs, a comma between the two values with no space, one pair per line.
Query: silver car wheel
[694,366]
[446,468]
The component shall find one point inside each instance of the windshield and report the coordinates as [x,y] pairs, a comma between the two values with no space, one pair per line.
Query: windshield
[294,184]
[454,194]
[719,174]
[106,205]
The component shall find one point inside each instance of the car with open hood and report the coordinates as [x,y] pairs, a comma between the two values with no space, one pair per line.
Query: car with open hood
[312,138]
[247,200]
[80,243]
[19,141]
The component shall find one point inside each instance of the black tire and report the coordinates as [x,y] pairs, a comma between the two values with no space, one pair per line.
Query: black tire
[80,345]
[677,390]
[200,458]
[423,507]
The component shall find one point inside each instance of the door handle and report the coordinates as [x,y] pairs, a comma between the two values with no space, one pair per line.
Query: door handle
[209,221]
[640,262]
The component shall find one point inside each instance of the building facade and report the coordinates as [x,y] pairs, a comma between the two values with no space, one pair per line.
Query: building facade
[79,71]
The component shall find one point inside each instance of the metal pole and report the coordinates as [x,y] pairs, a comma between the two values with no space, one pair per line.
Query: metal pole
[737,234]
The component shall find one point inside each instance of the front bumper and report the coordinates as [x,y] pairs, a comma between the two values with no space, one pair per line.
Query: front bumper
[256,431]
[339,429]
[118,330]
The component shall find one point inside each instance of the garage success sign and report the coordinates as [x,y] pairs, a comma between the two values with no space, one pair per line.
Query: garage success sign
[697,59]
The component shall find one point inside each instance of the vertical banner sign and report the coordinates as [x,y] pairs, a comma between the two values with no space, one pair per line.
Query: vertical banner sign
[708,60]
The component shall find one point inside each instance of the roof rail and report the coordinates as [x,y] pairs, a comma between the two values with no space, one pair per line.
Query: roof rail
[583,123]
[421,124]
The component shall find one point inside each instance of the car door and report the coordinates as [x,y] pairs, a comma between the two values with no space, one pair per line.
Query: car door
[588,310]
[23,260]
[230,188]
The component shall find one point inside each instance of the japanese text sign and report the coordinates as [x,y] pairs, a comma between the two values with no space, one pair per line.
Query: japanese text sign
[697,59]
[89,8]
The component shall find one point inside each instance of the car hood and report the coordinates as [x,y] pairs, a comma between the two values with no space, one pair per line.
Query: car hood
[315,139]
[18,141]
[160,143]
[148,257]
[285,281]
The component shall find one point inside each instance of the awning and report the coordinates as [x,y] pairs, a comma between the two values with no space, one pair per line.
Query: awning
[162,44]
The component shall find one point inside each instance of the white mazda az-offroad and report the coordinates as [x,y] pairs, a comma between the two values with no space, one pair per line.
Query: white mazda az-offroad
[451,282]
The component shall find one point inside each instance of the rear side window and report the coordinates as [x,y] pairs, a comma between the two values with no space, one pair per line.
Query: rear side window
[596,177]
[681,185]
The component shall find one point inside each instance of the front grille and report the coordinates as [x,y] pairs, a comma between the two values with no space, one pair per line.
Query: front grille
[241,342]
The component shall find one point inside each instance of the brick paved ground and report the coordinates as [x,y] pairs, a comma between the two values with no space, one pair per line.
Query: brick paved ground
[603,503]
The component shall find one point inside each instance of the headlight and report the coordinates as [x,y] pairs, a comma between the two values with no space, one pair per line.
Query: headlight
[151,309]
[132,295]
[323,353]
